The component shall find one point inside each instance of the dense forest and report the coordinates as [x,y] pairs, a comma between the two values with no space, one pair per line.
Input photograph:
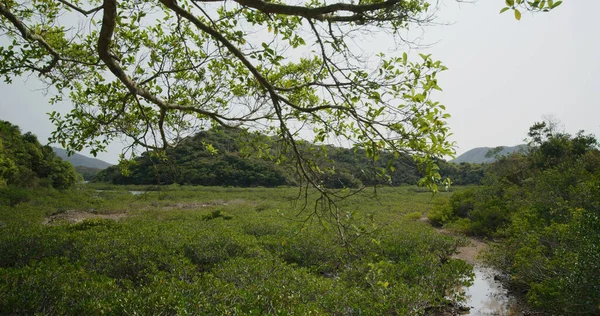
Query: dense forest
[26,164]
[227,157]
[544,207]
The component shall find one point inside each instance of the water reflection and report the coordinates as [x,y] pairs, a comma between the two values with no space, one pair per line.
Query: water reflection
[487,296]
[132,192]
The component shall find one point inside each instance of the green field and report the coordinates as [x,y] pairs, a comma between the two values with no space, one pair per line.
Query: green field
[206,250]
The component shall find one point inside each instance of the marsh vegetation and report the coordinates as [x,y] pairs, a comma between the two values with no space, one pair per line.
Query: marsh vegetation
[202,250]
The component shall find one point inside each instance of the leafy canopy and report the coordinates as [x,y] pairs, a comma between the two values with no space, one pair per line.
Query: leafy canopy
[157,71]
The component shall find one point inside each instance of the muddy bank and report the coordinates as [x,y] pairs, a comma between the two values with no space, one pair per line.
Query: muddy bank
[73,216]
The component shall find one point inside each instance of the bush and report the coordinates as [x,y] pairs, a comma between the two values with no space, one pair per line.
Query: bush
[214,247]
[545,206]
[11,196]
[460,205]
[166,258]
[55,287]
[440,213]
[414,216]
[216,214]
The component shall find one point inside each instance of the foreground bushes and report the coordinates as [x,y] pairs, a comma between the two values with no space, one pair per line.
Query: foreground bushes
[544,208]
[180,258]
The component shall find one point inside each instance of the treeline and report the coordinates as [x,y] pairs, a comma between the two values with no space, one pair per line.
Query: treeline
[88,173]
[227,157]
[210,158]
[544,208]
[26,164]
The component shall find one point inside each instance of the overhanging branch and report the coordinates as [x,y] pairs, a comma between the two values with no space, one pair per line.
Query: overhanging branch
[30,36]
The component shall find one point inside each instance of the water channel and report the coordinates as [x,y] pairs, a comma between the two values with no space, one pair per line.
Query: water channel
[487,295]
[132,192]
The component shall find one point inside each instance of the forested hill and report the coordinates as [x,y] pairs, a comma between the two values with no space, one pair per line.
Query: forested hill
[220,158]
[25,163]
[80,160]
[483,154]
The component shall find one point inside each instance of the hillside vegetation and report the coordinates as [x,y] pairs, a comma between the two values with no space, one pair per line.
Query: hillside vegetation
[26,164]
[228,157]
[88,174]
[544,208]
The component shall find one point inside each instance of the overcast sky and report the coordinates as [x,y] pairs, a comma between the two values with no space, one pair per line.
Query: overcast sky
[503,75]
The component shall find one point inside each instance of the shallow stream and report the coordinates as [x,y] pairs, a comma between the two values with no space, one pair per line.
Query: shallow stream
[487,295]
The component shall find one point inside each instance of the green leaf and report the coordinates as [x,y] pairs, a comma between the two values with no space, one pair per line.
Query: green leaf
[510,3]
[556,4]
[504,10]
[517,15]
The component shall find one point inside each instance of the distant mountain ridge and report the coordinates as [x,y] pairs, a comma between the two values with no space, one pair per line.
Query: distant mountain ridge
[478,154]
[80,160]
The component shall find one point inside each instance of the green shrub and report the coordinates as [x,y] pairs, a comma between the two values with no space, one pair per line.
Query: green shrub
[11,196]
[414,216]
[462,203]
[54,286]
[440,213]
[262,228]
[487,219]
[208,249]
[313,250]
[20,245]
[270,286]
[461,225]
[166,258]
[216,214]
[89,223]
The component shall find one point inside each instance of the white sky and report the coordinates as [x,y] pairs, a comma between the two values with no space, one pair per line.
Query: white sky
[503,75]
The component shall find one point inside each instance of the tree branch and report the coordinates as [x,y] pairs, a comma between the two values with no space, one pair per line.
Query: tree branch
[80,10]
[28,35]
[323,13]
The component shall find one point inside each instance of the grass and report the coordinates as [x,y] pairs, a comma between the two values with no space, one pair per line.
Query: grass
[205,250]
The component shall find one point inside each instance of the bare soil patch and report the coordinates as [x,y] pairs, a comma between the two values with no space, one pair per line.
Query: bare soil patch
[74,216]
[197,204]
[468,253]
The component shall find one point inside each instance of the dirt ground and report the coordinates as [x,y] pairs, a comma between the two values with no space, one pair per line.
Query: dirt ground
[77,216]
[470,252]
[467,253]
[73,216]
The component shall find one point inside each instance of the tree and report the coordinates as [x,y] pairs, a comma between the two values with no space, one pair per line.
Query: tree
[156,71]
[25,163]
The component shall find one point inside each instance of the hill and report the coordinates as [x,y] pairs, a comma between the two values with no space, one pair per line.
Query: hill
[478,155]
[78,160]
[26,164]
[228,161]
